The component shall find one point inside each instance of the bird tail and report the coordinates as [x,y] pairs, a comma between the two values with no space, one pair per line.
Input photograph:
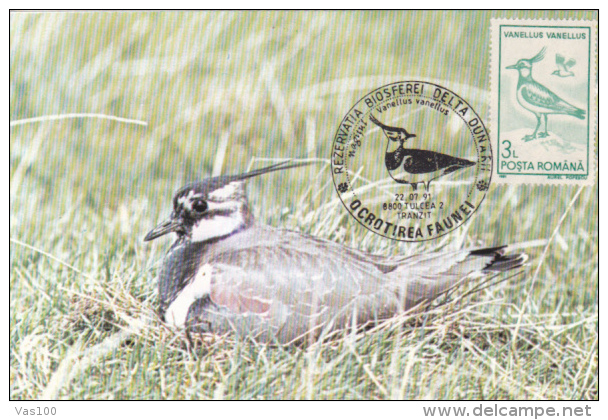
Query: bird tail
[578,113]
[500,260]
[431,275]
[458,163]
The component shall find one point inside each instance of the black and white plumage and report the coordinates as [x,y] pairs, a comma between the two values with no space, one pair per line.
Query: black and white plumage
[407,165]
[227,273]
[538,99]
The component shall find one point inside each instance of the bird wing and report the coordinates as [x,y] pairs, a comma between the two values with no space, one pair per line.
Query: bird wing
[570,63]
[538,95]
[559,60]
[427,161]
[287,285]
[264,278]
[300,273]
[297,270]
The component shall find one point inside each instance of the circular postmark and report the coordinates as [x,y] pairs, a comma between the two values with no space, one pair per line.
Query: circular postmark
[411,161]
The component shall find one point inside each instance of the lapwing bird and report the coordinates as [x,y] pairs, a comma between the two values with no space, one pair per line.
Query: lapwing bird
[415,166]
[227,273]
[563,66]
[539,100]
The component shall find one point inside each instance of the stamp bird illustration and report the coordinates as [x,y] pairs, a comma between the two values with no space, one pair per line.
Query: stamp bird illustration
[539,100]
[227,273]
[414,166]
[563,66]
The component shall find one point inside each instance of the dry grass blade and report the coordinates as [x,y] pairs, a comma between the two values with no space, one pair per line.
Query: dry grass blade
[45,118]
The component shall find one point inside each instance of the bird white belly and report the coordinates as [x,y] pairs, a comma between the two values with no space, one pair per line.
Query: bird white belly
[196,289]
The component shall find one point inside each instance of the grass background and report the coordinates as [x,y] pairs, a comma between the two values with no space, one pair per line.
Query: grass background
[218,91]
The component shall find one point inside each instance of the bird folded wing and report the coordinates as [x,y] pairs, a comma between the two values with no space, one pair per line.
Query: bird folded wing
[539,95]
[278,279]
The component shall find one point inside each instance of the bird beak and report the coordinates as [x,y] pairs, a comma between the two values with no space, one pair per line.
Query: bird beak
[514,66]
[168,226]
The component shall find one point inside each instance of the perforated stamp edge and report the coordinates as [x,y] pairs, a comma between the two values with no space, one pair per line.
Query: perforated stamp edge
[542,160]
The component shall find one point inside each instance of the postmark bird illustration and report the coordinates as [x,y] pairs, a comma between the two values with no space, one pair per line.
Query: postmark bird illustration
[412,161]
[407,165]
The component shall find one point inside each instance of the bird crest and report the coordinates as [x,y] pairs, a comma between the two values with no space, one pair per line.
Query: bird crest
[524,65]
[539,57]
[392,133]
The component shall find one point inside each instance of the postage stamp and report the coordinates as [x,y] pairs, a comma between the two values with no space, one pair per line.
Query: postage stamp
[412,161]
[543,109]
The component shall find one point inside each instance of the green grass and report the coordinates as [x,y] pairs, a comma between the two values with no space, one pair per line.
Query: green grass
[83,193]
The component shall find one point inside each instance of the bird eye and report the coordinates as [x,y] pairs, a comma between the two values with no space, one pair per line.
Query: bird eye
[199,206]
